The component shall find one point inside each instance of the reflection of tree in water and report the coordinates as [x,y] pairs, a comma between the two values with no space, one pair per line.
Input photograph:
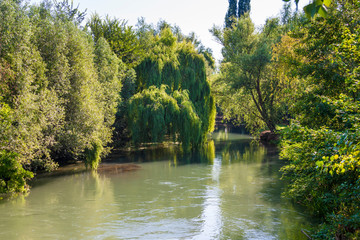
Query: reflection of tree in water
[250,199]
[73,206]
[272,188]
[245,151]
[233,194]
[172,152]
[252,188]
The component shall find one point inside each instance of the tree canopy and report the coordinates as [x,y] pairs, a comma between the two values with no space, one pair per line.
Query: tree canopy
[58,91]
[121,38]
[249,88]
[243,7]
[236,10]
[173,94]
[231,13]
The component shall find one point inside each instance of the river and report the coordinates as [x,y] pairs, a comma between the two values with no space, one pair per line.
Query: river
[231,190]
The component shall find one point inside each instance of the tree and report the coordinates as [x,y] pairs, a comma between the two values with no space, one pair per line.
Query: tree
[248,72]
[25,90]
[121,38]
[243,7]
[67,12]
[13,176]
[173,96]
[110,72]
[236,10]
[86,78]
[231,13]
[84,109]
[59,91]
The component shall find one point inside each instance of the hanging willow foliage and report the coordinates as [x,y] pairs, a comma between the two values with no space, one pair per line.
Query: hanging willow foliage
[154,113]
[174,97]
[193,78]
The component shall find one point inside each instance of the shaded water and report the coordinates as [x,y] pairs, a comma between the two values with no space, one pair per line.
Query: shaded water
[230,191]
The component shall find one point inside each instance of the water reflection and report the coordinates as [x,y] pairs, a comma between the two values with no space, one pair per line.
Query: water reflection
[171,153]
[71,206]
[228,190]
[252,207]
[211,215]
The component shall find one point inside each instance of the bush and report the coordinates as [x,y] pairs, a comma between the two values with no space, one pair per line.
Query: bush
[93,154]
[13,176]
[324,173]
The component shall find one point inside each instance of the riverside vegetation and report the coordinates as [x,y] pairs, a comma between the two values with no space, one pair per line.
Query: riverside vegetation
[71,91]
[302,71]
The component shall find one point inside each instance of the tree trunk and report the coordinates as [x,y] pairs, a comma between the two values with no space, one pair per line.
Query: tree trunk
[271,125]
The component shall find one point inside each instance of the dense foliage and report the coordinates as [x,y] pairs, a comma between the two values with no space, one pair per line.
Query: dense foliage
[243,7]
[231,13]
[249,87]
[322,143]
[174,97]
[121,38]
[305,69]
[236,10]
[67,91]
[59,92]
[13,175]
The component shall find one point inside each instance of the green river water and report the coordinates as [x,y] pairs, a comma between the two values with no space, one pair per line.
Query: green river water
[230,191]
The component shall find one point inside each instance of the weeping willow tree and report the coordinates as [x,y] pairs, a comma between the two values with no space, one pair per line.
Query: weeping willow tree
[173,96]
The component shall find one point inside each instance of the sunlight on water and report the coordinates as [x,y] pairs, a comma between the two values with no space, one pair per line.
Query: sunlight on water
[227,136]
[230,191]
[211,215]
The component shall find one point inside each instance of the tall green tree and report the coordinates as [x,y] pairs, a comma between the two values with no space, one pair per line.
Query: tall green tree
[231,13]
[121,38]
[84,110]
[59,92]
[248,73]
[25,89]
[173,96]
[110,72]
[87,81]
[243,7]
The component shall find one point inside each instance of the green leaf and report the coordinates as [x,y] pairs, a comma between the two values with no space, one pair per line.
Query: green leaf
[318,2]
[320,164]
[327,3]
[316,7]
[310,10]
[322,12]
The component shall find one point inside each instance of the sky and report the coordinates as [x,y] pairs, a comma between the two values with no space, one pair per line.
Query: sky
[190,15]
